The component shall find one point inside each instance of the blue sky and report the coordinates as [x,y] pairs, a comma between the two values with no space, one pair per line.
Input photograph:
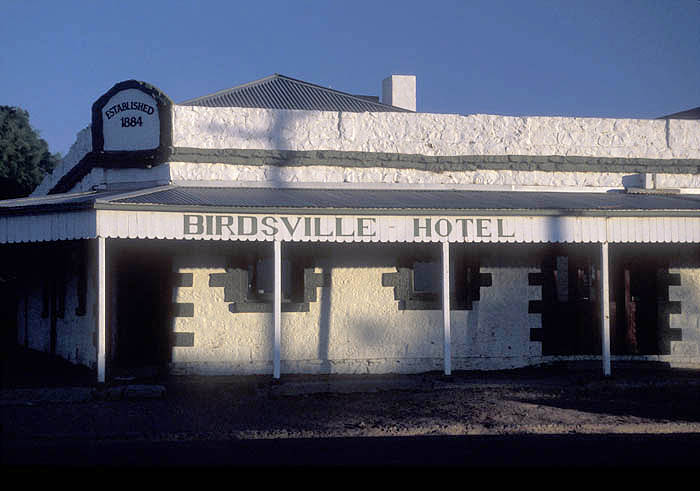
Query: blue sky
[589,58]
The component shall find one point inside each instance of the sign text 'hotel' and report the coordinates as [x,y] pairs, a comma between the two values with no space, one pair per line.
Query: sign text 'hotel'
[340,227]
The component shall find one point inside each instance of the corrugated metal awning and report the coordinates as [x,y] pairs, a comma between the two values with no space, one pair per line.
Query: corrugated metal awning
[54,202]
[400,200]
[353,215]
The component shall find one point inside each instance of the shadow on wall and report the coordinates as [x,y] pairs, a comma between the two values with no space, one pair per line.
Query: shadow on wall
[365,336]
[282,121]
[324,320]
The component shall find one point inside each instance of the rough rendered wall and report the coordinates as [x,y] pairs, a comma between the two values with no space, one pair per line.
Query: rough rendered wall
[74,332]
[688,293]
[409,134]
[354,326]
[428,136]
[68,342]
[85,326]
[157,175]
[433,134]
[496,334]
[184,171]
[32,328]
[365,331]
[224,343]
[82,145]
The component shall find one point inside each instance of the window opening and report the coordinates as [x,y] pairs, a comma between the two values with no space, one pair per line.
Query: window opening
[427,277]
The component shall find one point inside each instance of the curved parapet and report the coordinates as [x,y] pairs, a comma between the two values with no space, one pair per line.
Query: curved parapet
[131,128]
[132,116]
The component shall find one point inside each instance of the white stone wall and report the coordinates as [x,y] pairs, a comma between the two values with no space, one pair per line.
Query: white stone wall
[677,181]
[496,334]
[355,326]
[184,171]
[223,342]
[404,133]
[97,176]
[33,329]
[433,134]
[82,146]
[74,333]
[688,293]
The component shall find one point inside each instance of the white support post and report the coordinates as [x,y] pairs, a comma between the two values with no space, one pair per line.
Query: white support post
[277,308]
[101,309]
[605,307]
[447,347]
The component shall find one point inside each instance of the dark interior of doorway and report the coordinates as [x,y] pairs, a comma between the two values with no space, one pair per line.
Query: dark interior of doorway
[639,302]
[569,305]
[640,305]
[143,282]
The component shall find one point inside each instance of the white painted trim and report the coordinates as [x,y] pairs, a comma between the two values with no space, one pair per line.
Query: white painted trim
[447,336]
[101,309]
[303,227]
[605,307]
[68,225]
[277,308]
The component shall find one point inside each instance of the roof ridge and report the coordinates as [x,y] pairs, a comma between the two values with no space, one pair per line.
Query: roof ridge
[329,89]
[277,76]
[223,91]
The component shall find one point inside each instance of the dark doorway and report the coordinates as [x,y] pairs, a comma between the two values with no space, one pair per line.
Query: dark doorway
[141,340]
[640,305]
[8,313]
[570,306]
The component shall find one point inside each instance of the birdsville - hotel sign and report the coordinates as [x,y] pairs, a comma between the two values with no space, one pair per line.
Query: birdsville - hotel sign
[295,227]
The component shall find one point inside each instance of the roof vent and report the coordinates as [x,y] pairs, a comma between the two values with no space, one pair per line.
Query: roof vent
[400,91]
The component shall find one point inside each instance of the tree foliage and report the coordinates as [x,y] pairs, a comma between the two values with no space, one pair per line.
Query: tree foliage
[24,156]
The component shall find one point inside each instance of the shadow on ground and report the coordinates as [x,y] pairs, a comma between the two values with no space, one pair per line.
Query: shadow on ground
[25,368]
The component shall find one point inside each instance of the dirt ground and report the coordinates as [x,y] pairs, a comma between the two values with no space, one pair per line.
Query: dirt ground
[556,399]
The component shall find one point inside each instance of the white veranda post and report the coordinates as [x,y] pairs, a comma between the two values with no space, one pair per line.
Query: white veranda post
[101,309]
[277,308]
[605,307]
[447,349]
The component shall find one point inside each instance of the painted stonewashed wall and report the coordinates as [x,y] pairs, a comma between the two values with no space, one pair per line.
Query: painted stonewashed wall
[343,175]
[208,338]
[433,134]
[355,325]
[81,147]
[688,320]
[76,319]
[32,329]
[496,334]
[202,131]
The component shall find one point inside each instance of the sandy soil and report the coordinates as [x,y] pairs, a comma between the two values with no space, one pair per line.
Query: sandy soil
[538,401]
[561,399]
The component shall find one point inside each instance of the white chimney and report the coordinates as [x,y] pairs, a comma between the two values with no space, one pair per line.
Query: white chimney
[400,91]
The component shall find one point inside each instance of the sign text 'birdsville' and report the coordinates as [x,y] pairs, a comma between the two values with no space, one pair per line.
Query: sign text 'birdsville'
[310,227]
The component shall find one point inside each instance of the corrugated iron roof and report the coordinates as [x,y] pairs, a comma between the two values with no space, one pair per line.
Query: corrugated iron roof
[408,199]
[62,201]
[689,114]
[344,200]
[281,92]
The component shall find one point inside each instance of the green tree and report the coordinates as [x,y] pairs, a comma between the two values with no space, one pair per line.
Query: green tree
[24,156]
